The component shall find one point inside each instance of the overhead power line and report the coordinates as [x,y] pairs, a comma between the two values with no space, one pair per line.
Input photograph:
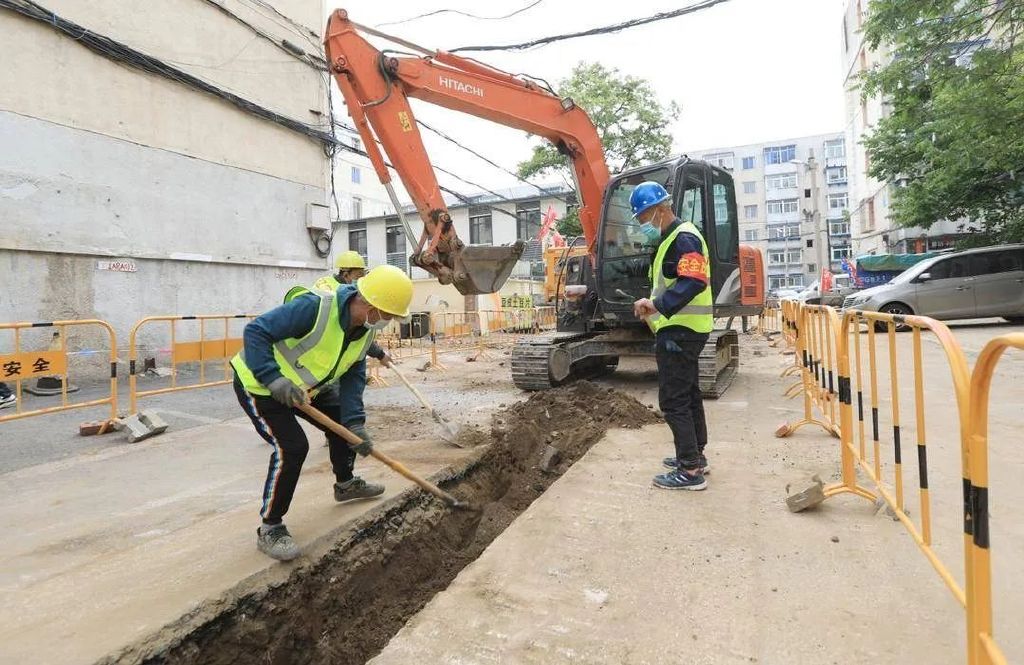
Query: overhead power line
[543,41]
[122,53]
[462,13]
[515,175]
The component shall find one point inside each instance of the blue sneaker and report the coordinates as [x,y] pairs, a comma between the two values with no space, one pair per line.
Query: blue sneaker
[673,463]
[680,480]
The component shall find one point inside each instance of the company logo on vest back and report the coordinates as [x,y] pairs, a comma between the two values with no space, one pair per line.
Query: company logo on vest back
[455,84]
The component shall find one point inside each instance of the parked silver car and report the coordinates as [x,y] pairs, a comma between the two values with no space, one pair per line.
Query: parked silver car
[976,283]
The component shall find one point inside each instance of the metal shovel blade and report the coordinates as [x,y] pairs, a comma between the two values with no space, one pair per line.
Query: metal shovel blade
[485,268]
[448,431]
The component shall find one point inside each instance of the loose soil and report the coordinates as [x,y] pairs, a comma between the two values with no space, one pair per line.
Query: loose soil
[345,607]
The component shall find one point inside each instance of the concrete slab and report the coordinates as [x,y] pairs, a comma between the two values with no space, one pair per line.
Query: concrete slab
[603,568]
[109,547]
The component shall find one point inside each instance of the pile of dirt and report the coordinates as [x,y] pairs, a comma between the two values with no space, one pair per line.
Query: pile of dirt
[345,607]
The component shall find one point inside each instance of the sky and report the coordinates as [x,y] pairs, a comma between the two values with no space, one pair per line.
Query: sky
[745,71]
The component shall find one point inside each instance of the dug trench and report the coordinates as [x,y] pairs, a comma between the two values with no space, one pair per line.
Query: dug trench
[345,607]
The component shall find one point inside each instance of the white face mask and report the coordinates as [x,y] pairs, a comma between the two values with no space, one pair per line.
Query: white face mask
[380,324]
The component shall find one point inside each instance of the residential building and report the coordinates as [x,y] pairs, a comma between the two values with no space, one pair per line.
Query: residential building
[126,194]
[873,231]
[501,218]
[773,199]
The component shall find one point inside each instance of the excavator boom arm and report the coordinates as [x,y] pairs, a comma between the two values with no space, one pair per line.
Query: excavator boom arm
[377,88]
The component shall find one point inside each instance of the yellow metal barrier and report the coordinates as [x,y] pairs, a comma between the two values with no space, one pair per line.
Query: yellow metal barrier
[849,348]
[814,331]
[981,646]
[21,365]
[201,351]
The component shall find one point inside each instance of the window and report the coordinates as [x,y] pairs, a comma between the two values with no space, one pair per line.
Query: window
[784,231]
[621,238]
[726,232]
[846,37]
[750,235]
[812,268]
[779,154]
[954,268]
[395,244]
[748,163]
[749,187]
[357,207]
[871,213]
[356,174]
[839,228]
[840,253]
[781,256]
[750,212]
[784,206]
[835,149]
[720,159]
[357,238]
[835,174]
[780,181]
[480,225]
[838,203]
[357,143]
[991,263]
[528,220]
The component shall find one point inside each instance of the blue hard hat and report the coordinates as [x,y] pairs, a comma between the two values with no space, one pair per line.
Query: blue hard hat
[647,195]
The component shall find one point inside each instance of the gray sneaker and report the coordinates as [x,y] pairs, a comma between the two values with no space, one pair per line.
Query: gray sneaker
[8,400]
[277,543]
[357,488]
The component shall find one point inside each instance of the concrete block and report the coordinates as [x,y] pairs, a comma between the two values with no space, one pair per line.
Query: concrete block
[142,425]
[807,495]
[549,459]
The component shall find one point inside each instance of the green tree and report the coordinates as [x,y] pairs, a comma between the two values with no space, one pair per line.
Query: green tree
[569,225]
[630,120]
[953,139]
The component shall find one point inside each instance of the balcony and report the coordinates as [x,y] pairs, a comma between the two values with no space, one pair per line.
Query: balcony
[773,193]
[835,161]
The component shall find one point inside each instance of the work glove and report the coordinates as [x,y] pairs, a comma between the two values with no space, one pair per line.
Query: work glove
[286,392]
[366,446]
[387,360]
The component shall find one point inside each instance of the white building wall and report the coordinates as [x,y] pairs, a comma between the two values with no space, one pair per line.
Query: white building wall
[747,164]
[101,160]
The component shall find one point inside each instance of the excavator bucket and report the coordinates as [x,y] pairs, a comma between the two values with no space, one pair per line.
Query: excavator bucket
[484,268]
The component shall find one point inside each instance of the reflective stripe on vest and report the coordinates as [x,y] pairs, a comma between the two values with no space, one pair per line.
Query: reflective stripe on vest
[698,314]
[316,358]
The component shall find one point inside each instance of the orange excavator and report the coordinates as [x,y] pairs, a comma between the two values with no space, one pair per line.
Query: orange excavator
[595,323]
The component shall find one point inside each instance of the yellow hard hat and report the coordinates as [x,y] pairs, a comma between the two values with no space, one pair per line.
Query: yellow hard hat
[388,289]
[348,260]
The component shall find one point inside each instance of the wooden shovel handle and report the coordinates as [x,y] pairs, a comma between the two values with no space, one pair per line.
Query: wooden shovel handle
[395,465]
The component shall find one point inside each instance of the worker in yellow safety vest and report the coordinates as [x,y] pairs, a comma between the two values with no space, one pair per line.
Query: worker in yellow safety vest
[680,313]
[289,356]
[349,266]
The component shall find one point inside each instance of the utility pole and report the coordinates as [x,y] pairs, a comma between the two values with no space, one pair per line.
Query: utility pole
[815,215]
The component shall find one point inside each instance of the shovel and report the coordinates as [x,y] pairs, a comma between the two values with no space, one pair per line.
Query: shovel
[448,431]
[395,465]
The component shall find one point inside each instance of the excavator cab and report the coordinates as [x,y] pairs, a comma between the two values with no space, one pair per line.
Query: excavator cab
[701,194]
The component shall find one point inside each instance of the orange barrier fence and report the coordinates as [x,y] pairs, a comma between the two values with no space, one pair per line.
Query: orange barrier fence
[472,332]
[981,646]
[851,375]
[21,365]
[199,349]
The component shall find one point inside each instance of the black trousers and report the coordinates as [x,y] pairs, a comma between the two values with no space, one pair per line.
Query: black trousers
[279,426]
[679,394]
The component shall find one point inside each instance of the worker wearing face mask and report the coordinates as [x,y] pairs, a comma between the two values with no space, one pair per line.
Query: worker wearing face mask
[289,356]
[680,314]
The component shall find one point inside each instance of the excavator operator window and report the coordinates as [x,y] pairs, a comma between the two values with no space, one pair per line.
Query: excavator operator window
[625,253]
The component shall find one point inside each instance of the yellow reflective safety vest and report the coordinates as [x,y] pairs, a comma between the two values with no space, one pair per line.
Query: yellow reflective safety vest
[698,314]
[326,283]
[316,359]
